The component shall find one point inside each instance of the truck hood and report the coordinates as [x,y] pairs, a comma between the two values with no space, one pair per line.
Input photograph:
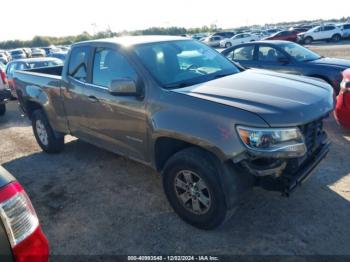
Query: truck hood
[335,62]
[280,99]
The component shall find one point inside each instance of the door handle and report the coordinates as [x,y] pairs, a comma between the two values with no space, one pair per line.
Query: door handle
[93,99]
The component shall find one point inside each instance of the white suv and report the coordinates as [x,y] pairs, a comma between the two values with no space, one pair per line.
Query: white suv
[239,39]
[325,32]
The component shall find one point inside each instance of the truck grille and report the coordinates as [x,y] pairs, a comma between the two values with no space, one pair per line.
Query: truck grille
[314,135]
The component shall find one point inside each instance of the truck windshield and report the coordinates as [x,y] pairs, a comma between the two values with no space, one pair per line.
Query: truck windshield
[183,63]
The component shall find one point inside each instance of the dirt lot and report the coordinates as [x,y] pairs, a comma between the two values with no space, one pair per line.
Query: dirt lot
[341,49]
[94,202]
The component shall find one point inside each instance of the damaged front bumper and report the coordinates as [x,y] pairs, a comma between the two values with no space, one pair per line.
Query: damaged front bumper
[288,181]
[284,174]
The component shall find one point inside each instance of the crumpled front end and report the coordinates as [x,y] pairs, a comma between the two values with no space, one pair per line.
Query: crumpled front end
[284,174]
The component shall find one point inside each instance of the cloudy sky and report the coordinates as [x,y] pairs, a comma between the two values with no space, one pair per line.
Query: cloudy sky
[23,19]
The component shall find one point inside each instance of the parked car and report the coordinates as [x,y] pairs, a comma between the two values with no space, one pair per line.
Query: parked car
[3,58]
[272,31]
[224,34]
[64,48]
[51,49]
[342,110]
[321,33]
[61,55]
[21,236]
[284,35]
[6,54]
[18,54]
[38,52]
[345,29]
[28,52]
[210,128]
[299,29]
[238,39]
[288,57]
[4,90]
[213,41]
[25,64]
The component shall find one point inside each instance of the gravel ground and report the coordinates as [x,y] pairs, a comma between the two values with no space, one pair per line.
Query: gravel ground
[93,202]
[341,49]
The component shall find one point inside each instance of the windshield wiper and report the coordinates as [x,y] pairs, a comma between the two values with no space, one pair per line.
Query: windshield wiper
[180,85]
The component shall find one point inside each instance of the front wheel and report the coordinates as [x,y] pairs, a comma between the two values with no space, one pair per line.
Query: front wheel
[45,135]
[191,184]
[308,40]
[228,44]
[2,109]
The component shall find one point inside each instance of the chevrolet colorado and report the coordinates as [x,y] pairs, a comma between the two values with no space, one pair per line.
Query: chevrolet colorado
[212,129]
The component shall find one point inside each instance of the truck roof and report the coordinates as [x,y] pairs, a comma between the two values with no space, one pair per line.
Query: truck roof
[135,40]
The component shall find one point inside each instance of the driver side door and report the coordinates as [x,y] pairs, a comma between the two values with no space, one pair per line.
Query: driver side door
[115,122]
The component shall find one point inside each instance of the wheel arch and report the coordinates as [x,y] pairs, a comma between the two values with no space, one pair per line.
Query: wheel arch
[166,146]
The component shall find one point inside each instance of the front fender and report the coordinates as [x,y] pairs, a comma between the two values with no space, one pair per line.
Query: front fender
[206,124]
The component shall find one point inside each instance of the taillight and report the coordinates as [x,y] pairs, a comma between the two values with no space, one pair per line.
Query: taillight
[3,77]
[22,224]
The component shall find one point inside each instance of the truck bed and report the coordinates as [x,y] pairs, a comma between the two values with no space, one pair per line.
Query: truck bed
[52,70]
[41,87]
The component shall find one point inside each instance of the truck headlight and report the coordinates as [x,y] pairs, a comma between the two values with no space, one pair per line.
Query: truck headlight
[273,142]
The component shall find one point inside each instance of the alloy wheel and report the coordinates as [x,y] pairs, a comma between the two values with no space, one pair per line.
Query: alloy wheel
[192,192]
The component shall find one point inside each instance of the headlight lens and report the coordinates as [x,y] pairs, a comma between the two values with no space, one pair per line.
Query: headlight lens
[286,142]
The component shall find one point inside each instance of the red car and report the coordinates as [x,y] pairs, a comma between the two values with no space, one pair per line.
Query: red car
[21,237]
[290,35]
[342,109]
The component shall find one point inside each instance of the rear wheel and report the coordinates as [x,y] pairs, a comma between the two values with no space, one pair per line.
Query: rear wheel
[2,109]
[45,135]
[192,185]
[336,38]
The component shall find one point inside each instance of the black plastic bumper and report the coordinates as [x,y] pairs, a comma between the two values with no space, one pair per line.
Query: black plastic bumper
[287,183]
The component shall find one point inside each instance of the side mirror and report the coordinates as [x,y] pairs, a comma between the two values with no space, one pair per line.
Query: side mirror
[123,87]
[283,60]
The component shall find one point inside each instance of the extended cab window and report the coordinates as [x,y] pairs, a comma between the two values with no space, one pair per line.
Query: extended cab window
[110,65]
[78,63]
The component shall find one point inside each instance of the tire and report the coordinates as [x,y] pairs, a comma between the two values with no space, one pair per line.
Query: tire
[336,38]
[308,40]
[228,44]
[196,165]
[45,135]
[2,109]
